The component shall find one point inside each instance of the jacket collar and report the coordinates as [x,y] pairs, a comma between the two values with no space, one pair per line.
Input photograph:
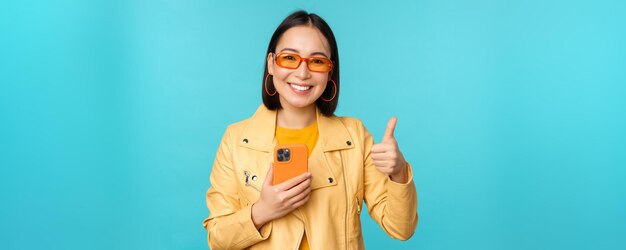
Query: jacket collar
[259,132]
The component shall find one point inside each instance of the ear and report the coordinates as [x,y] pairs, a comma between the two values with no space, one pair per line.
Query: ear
[270,64]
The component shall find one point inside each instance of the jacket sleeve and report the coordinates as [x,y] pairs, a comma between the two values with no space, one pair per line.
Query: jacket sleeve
[392,205]
[229,224]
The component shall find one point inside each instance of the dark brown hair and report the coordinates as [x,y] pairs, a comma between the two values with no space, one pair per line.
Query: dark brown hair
[302,18]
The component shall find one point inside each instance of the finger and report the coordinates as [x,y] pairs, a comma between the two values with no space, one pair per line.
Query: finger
[293,181]
[300,196]
[269,178]
[382,163]
[294,191]
[380,156]
[301,202]
[391,126]
[380,148]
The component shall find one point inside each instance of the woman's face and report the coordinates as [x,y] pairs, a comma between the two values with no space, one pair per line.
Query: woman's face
[300,87]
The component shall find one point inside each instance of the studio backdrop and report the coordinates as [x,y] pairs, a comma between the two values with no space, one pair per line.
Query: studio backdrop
[512,114]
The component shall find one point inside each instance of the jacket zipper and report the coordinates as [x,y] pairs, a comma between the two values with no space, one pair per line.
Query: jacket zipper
[345,188]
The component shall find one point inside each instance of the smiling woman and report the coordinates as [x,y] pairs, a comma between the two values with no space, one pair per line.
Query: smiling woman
[318,209]
[299,86]
[298,36]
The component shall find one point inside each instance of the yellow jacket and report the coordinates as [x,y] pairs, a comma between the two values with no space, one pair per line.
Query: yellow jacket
[343,177]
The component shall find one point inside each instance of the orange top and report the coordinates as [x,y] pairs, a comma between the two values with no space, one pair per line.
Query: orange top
[306,136]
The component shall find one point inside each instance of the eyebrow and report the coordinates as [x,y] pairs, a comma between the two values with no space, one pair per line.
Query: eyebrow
[295,50]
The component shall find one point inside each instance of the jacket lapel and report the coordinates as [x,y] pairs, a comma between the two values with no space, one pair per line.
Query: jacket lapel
[259,133]
[333,134]
[326,162]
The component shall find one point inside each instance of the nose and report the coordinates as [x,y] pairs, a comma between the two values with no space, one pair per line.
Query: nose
[303,70]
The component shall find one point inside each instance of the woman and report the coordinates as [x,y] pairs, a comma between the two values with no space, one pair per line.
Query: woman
[319,209]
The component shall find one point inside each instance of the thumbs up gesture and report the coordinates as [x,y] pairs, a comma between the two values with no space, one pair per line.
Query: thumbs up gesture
[387,156]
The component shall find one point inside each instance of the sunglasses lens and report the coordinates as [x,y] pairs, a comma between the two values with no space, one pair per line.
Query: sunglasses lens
[320,64]
[288,60]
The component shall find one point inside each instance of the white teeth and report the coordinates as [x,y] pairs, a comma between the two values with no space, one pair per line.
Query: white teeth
[298,87]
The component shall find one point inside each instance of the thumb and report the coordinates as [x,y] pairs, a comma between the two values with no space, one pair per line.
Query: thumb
[269,178]
[391,126]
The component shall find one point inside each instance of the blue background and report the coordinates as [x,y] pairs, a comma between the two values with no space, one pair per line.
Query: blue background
[513,114]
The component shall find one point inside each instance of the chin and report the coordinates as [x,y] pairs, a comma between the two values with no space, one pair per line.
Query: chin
[300,103]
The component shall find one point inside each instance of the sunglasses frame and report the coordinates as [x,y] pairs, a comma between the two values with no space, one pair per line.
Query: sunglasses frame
[302,59]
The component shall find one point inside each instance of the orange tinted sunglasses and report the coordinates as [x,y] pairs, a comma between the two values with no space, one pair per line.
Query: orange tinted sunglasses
[293,61]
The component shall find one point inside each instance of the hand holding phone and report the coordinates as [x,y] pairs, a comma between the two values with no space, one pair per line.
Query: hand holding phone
[286,187]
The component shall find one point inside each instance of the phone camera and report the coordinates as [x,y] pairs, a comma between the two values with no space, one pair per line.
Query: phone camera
[283,154]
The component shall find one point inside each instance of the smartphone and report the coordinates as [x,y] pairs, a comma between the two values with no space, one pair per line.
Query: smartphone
[289,161]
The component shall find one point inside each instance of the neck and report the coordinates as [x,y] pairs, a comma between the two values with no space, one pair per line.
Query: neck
[296,118]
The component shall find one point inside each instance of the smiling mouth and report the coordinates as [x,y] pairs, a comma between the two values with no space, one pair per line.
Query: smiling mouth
[300,87]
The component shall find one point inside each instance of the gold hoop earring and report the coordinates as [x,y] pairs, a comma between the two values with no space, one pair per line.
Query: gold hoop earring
[334,93]
[265,85]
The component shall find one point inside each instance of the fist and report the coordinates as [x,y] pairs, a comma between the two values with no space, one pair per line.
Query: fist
[387,156]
